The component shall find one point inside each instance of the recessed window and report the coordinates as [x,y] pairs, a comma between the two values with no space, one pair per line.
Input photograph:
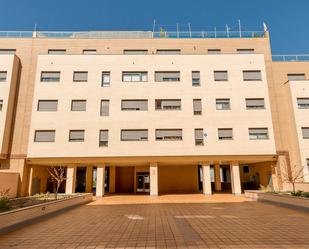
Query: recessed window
[3,75]
[220,75]
[167,76]
[135,51]
[225,133]
[197,106]
[214,51]
[255,104]
[50,76]
[104,107]
[103,142]
[168,51]
[245,51]
[7,51]
[308,164]
[47,105]
[252,75]
[258,133]
[303,103]
[305,132]
[168,104]
[78,105]
[245,169]
[134,105]
[196,78]
[89,51]
[106,79]
[80,76]
[1,105]
[56,51]
[134,76]
[295,77]
[199,136]
[77,136]
[134,135]
[44,136]
[169,134]
[223,104]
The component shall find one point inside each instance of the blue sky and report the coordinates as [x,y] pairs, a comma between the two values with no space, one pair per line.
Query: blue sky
[288,20]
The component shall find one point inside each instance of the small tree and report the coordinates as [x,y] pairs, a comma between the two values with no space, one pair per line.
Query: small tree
[293,175]
[58,176]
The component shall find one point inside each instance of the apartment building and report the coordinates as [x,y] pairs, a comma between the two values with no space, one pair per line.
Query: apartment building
[148,113]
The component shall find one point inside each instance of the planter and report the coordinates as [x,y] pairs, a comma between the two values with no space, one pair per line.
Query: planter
[10,220]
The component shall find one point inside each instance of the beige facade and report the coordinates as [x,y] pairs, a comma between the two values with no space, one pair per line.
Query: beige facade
[239,145]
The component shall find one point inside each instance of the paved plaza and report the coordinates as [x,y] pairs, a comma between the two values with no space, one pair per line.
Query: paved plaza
[167,223]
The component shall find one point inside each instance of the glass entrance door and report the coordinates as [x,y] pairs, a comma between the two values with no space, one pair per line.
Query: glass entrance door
[143,182]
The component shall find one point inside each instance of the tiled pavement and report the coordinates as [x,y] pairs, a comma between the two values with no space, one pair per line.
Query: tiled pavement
[167,225]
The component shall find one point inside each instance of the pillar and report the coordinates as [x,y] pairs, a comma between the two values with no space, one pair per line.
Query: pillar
[112,179]
[89,179]
[235,178]
[100,180]
[206,178]
[217,177]
[30,180]
[154,179]
[70,179]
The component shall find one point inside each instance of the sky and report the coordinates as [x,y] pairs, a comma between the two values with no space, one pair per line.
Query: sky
[288,20]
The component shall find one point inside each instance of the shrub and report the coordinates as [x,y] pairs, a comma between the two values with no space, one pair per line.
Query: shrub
[4,200]
[297,193]
[305,194]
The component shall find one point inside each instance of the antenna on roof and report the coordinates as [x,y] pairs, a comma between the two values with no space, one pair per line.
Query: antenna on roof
[189,25]
[239,27]
[227,31]
[177,30]
[265,27]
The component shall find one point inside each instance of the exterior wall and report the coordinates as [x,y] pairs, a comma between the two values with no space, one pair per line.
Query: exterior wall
[9,182]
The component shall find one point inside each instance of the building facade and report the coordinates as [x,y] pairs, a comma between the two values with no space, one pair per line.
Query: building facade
[140,112]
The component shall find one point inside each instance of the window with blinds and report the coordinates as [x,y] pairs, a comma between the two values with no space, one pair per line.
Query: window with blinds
[78,105]
[294,77]
[3,75]
[47,105]
[167,76]
[220,75]
[305,132]
[197,106]
[80,76]
[134,135]
[56,51]
[255,104]
[168,51]
[89,51]
[1,105]
[245,51]
[50,76]
[214,51]
[223,104]
[135,51]
[106,79]
[169,134]
[44,136]
[134,76]
[258,133]
[77,136]
[168,104]
[199,136]
[134,105]
[225,133]
[7,51]
[308,164]
[104,107]
[252,75]
[103,142]
[303,103]
[196,78]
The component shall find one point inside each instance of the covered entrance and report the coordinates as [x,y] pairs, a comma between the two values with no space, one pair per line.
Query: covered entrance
[143,183]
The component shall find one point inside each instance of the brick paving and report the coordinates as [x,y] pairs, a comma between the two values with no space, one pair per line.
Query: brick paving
[166,225]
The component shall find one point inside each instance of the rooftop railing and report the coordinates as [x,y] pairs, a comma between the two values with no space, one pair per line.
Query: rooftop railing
[291,57]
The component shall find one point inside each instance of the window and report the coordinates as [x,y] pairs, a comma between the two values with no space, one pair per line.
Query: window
[77,136]
[3,75]
[89,51]
[78,105]
[56,51]
[223,104]
[47,105]
[300,76]
[134,105]
[245,51]
[245,169]
[44,136]
[168,51]
[168,104]
[214,51]
[1,105]
[106,79]
[135,51]
[254,75]
[220,75]
[50,76]
[7,51]
[255,104]
[225,133]
[305,131]
[103,138]
[134,135]
[169,134]
[258,133]
[199,136]
[134,76]
[303,103]
[195,78]
[105,107]
[197,106]
[80,76]
[167,76]
[308,164]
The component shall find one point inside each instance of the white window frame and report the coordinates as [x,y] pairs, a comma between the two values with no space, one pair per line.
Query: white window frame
[223,108]
[258,135]
[106,79]
[134,76]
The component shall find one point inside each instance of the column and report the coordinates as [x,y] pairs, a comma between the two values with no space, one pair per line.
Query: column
[112,179]
[154,179]
[70,179]
[235,178]
[100,180]
[89,179]
[217,178]
[206,178]
[30,180]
